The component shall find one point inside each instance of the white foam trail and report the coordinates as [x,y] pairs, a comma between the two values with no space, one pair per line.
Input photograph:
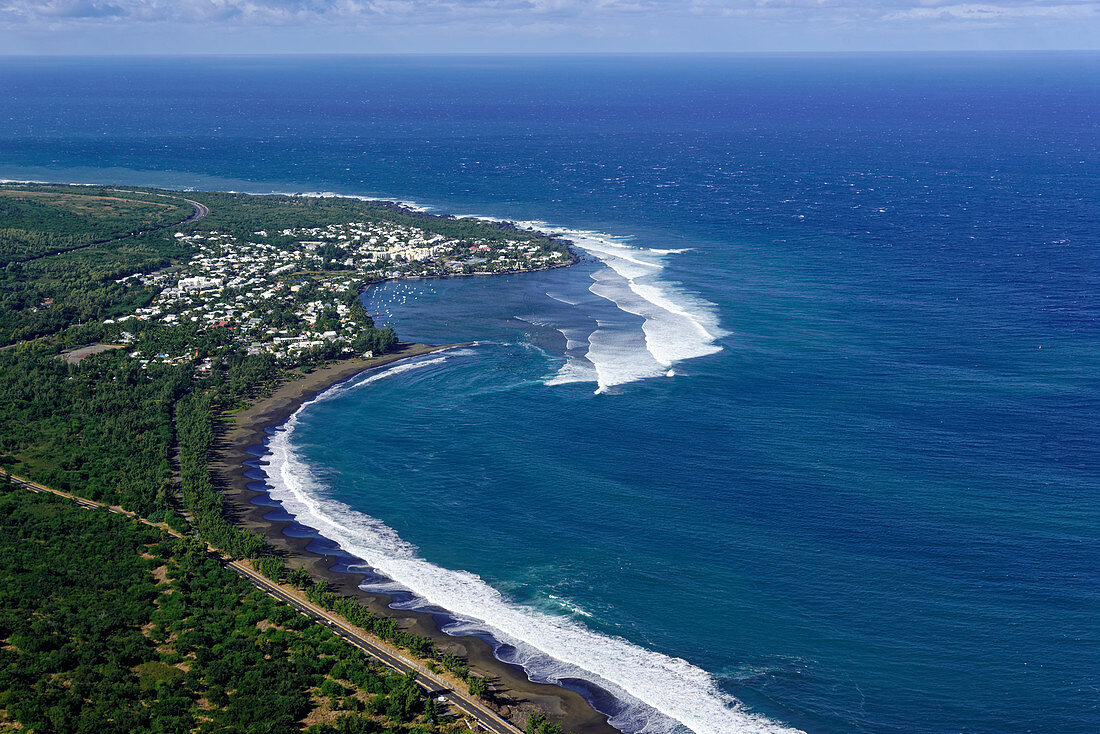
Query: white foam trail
[566,604]
[534,322]
[369,377]
[662,694]
[559,299]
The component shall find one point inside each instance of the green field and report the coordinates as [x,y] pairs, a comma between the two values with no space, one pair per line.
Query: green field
[38,221]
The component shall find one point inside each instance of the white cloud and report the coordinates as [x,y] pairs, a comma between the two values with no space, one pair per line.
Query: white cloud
[997,12]
[541,24]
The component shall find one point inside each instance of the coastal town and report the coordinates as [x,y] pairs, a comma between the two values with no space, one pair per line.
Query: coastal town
[292,291]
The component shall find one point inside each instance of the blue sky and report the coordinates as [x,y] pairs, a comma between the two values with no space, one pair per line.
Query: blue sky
[465,26]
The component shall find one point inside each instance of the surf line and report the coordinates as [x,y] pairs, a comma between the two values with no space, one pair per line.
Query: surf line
[654,692]
[676,325]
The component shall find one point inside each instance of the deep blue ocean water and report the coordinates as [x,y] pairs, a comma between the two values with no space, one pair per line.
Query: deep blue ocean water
[871,502]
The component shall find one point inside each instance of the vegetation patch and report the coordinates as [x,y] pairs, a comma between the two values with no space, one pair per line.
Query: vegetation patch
[153,672]
[39,220]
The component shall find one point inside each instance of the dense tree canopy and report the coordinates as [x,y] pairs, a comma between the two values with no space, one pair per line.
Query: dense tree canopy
[108,626]
[102,429]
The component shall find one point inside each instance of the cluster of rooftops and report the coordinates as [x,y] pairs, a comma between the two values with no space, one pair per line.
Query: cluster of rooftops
[284,292]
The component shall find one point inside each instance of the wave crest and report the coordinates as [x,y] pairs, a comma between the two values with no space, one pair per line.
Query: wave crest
[676,325]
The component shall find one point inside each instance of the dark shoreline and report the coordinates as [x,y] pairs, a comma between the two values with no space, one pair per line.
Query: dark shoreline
[235,456]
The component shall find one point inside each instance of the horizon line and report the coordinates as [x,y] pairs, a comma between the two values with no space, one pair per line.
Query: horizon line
[411,54]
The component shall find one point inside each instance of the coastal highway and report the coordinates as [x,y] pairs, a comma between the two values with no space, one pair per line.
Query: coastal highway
[201,212]
[486,719]
[480,717]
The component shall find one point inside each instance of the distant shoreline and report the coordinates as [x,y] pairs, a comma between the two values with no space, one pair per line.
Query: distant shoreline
[409,207]
[251,427]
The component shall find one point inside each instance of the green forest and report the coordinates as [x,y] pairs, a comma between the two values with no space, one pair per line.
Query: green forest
[112,626]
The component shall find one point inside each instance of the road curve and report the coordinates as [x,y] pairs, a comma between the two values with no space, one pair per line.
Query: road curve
[486,719]
[201,211]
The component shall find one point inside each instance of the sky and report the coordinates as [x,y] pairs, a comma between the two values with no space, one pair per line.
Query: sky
[541,26]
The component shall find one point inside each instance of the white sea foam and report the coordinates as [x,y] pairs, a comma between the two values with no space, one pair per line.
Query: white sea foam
[617,348]
[660,694]
[369,377]
[559,299]
[332,195]
[566,604]
[577,367]
[676,324]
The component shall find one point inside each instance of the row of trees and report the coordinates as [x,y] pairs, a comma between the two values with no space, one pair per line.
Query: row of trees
[17,245]
[195,434]
[384,627]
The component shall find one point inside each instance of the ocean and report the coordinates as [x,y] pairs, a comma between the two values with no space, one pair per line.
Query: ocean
[807,440]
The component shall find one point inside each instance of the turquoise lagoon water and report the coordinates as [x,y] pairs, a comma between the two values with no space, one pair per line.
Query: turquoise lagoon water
[807,440]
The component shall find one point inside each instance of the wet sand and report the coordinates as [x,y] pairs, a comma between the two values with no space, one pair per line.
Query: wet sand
[516,694]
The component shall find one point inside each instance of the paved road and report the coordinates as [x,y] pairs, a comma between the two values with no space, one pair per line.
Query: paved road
[200,211]
[485,718]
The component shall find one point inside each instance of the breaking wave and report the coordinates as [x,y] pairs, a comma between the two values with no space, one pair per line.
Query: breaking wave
[676,325]
[357,382]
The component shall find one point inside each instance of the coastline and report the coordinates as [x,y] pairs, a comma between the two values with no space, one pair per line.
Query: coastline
[251,427]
